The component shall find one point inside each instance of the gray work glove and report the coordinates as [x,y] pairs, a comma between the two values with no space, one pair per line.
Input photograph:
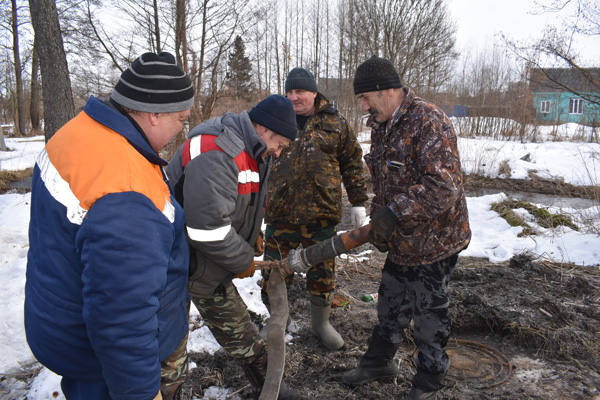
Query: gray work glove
[383,223]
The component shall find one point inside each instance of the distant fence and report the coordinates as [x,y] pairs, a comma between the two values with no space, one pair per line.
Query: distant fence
[456,111]
[475,111]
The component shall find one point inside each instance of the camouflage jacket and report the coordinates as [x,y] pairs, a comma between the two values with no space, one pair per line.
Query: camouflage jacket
[416,172]
[305,184]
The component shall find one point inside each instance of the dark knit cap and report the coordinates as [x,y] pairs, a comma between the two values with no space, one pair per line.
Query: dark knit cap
[277,114]
[376,74]
[300,78]
[154,83]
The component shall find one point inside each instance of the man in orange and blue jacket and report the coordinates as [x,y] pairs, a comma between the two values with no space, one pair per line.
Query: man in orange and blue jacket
[105,295]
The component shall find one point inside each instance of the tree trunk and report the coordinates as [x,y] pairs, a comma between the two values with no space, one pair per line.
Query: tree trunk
[20,120]
[197,113]
[181,46]
[2,144]
[56,83]
[34,106]
[156,27]
[211,99]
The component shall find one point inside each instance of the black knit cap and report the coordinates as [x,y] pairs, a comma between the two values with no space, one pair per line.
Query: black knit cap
[376,74]
[154,83]
[300,78]
[277,114]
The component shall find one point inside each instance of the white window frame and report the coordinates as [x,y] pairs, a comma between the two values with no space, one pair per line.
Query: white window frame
[545,106]
[575,105]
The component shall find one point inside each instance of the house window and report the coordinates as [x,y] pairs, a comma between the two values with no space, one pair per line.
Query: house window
[575,106]
[545,107]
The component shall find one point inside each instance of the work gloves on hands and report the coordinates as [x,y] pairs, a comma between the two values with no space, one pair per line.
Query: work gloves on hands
[383,223]
[247,273]
[259,246]
[357,216]
[259,249]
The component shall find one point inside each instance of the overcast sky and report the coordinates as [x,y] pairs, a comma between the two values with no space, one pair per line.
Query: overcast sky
[480,21]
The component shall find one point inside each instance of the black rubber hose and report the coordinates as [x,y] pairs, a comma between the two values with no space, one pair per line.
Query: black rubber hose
[323,251]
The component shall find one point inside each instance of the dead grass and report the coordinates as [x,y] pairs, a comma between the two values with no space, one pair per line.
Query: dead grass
[542,216]
[7,177]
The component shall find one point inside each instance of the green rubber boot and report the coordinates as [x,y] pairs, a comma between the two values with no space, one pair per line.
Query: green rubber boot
[320,309]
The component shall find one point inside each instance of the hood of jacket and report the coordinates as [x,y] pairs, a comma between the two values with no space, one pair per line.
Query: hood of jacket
[240,125]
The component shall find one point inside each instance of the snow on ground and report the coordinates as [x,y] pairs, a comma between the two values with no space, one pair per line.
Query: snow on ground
[493,238]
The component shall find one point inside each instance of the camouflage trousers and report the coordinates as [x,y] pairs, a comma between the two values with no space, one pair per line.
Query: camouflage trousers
[281,238]
[418,293]
[227,317]
[174,371]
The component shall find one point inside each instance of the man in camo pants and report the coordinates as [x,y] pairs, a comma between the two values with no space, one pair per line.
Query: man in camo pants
[419,216]
[220,177]
[305,198]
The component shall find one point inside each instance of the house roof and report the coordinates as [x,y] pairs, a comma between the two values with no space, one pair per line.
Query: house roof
[565,80]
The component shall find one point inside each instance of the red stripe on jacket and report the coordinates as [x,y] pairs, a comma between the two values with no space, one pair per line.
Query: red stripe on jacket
[247,166]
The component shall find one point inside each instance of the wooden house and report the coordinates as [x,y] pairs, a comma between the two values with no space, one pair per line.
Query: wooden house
[566,95]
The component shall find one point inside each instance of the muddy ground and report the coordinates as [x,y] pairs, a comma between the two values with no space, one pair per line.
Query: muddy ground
[522,329]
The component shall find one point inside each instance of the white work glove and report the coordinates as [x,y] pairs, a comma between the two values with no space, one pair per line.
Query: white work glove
[357,216]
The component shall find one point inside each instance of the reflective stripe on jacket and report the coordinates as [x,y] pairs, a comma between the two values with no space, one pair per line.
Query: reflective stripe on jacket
[221,179]
[105,292]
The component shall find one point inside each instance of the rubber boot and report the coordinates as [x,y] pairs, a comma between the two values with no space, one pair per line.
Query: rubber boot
[425,385]
[377,363]
[291,326]
[419,394]
[320,309]
[256,371]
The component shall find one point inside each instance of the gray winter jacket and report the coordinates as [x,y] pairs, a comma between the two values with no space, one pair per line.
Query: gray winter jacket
[220,179]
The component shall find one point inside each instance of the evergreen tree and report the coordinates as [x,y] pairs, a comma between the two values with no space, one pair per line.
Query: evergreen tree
[239,76]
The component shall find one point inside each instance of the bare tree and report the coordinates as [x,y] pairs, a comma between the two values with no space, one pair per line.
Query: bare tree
[417,36]
[145,17]
[212,31]
[584,17]
[56,83]
[258,34]
[36,92]
[181,45]
[493,92]
[13,24]
[20,122]
[557,47]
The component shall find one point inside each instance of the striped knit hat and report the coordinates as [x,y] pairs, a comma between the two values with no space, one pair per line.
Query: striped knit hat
[154,83]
